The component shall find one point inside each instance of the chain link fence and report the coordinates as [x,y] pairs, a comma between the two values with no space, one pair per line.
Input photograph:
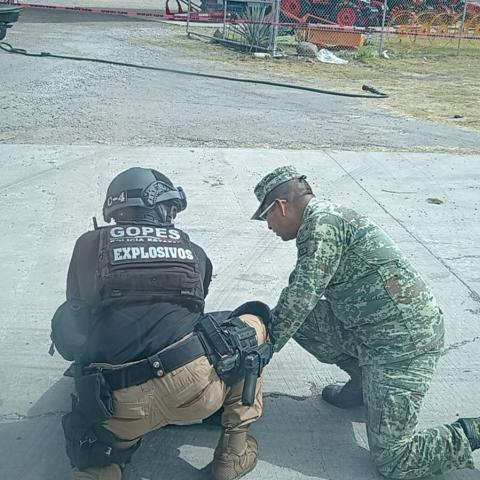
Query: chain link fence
[373,27]
[248,25]
[426,27]
[433,27]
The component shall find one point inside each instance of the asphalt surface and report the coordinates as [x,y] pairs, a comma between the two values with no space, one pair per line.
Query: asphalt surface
[47,101]
[50,193]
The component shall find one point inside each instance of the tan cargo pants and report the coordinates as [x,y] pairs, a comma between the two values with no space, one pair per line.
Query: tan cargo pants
[191,392]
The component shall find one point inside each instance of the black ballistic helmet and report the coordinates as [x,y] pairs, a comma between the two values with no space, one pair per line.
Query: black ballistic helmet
[143,194]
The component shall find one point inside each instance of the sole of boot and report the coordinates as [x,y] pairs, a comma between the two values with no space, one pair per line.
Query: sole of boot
[246,472]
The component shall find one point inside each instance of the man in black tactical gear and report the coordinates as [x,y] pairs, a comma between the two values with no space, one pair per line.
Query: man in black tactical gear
[145,353]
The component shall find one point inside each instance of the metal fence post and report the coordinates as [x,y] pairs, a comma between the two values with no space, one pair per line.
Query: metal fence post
[276,19]
[462,26]
[225,2]
[385,7]
[189,6]
[270,44]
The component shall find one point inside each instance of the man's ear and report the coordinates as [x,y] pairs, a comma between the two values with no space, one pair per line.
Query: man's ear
[282,205]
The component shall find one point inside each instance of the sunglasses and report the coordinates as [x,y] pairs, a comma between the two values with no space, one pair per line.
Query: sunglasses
[263,214]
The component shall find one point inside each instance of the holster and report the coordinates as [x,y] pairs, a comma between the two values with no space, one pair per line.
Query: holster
[88,442]
[227,346]
[90,445]
[94,397]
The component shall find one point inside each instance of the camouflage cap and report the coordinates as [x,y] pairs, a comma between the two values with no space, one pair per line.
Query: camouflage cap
[269,182]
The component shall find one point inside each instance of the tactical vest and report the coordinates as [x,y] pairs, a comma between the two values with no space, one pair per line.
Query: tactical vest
[148,263]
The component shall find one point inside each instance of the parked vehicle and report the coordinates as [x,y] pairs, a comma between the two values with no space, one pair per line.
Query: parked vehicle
[8,16]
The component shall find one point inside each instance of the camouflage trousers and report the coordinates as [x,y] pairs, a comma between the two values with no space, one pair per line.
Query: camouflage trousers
[393,394]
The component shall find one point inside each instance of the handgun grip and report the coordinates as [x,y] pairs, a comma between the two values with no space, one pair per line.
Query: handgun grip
[250,384]
[249,387]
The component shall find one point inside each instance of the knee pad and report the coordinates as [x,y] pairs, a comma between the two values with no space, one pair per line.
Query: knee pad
[93,445]
[256,308]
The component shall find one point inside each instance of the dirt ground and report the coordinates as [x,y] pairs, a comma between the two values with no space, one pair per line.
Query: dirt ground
[424,80]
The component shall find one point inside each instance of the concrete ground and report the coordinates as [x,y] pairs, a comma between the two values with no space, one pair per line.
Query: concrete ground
[49,194]
[53,175]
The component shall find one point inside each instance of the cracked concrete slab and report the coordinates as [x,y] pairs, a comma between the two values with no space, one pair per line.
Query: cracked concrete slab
[50,193]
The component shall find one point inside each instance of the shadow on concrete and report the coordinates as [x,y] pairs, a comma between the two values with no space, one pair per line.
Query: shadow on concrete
[299,438]
[55,399]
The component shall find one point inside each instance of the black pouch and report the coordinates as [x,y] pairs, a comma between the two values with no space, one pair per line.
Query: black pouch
[229,369]
[95,397]
[71,325]
[90,445]
[79,440]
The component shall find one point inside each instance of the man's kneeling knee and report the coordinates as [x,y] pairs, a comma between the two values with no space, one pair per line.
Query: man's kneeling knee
[257,315]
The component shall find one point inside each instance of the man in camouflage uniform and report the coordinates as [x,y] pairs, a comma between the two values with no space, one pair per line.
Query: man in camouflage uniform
[354,300]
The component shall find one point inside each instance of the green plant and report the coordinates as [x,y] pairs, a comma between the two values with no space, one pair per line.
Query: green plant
[253,28]
[366,53]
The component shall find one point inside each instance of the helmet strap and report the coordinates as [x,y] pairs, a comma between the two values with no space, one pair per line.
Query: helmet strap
[156,215]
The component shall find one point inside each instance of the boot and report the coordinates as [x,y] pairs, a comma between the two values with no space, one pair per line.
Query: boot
[471,427]
[346,395]
[236,455]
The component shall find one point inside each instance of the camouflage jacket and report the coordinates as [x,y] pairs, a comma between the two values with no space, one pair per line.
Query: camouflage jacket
[380,304]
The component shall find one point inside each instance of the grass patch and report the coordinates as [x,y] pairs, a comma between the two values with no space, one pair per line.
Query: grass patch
[366,53]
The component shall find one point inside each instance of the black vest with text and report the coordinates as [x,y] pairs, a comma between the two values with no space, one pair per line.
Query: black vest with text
[148,263]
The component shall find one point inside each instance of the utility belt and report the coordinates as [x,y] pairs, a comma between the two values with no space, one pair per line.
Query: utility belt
[155,366]
[231,347]
[226,344]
